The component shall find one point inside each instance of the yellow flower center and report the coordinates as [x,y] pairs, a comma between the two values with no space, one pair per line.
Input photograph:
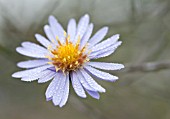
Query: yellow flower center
[68,56]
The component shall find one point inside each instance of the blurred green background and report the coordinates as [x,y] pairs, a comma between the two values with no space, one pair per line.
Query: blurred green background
[143,91]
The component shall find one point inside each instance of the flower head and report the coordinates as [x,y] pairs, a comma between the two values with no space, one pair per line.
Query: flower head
[68,57]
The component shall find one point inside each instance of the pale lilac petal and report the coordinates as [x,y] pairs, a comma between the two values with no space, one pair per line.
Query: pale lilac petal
[100,74]
[49,33]
[36,76]
[106,43]
[32,63]
[57,97]
[29,72]
[77,85]
[56,29]
[31,53]
[55,83]
[106,66]
[94,94]
[98,36]
[65,94]
[82,27]
[46,43]
[71,29]
[104,52]
[47,77]
[33,46]
[101,54]
[87,35]
[52,20]
[83,81]
[91,81]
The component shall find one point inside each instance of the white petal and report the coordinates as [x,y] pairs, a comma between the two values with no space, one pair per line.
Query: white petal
[47,77]
[91,81]
[56,29]
[100,74]
[106,66]
[33,46]
[29,72]
[57,97]
[53,86]
[52,20]
[42,40]
[84,82]
[106,43]
[65,94]
[87,35]
[36,76]
[71,29]
[30,53]
[32,63]
[104,52]
[49,33]
[94,94]
[82,27]
[98,36]
[77,85]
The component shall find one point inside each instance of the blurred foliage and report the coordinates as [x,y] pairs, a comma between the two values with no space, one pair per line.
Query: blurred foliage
[144,26]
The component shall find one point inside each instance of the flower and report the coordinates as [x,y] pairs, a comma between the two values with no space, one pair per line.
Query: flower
[67,57]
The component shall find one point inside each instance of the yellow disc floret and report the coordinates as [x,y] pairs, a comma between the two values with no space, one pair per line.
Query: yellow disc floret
[68,56]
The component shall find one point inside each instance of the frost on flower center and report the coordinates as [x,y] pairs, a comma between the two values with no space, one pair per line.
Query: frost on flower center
[68,56]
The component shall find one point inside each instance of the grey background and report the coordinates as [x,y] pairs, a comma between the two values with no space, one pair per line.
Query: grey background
[143,91]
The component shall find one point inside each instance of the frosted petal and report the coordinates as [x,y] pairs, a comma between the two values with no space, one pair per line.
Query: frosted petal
[33,46]
[49,33]
[36,76]
[56,29]
[71,29]
[98,36]
[53,86]
[104,52]
[91,81]
[77,85]
[26,52]
[106,66]
[47,77]
[84,82]
[32,63]
[106,43]
[100,74]
[82,27]
[57,97]
[94,94]
[52,20]
[29,72]
[87,35]
[42,40]
[65,94]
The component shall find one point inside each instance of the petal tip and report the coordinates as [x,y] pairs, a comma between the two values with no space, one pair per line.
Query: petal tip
[51,17]
[104,90]
[85,96]
[46,26]
[118,36]
[37,35]
[123,66]
[14,75]
[61,105]
[106,28]
[48,99]
[86,15]
[19,64]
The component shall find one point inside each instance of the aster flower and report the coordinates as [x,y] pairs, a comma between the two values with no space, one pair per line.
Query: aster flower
[68,58]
